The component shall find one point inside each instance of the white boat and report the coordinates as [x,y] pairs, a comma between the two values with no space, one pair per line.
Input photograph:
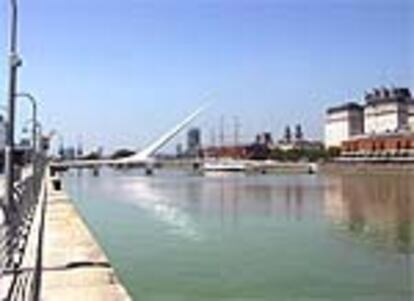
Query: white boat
[224,166]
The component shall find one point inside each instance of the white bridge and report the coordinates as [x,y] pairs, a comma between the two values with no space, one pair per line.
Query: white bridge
[144,158]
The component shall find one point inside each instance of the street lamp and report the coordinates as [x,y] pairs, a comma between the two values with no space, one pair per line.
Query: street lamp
[33,102]
[36,132]
[14,64]
[38,129]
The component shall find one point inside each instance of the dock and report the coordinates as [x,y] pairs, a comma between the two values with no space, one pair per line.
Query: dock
[74,265]
[57,257]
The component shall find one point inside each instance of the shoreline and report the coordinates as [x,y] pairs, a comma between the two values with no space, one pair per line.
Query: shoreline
[367,168]
[74,264]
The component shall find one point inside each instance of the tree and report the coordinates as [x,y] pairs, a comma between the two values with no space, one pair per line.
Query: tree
[94,155]
[293,155]
[278,154]
[122,153]
[333,152]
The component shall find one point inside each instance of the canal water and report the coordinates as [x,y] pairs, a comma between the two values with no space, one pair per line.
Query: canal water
[178,236]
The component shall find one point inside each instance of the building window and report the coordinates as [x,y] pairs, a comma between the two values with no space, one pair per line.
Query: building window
[398,145]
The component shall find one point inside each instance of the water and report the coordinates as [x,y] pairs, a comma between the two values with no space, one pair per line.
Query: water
[177,236]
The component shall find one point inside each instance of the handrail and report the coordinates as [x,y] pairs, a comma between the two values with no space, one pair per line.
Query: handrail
[27,224]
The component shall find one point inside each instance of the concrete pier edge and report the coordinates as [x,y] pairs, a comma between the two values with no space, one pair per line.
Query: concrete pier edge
[74,265]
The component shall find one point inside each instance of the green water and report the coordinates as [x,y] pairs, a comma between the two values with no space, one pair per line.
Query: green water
[177,236]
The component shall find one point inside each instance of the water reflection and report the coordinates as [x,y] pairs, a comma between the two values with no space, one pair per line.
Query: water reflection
[377,209]
[285,237]
[148,197]
[228,198]
[294,200]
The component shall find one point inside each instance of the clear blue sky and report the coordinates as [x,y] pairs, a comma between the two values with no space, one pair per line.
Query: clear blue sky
[118,73]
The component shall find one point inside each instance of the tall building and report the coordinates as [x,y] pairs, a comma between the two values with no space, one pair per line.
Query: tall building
[193,142]
[342,123]
[387,111]
[383,126]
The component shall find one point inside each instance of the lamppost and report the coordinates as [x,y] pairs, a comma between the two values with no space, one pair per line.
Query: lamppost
[14,63]
[3,133]
[36,129]
[33,102]
[36,151]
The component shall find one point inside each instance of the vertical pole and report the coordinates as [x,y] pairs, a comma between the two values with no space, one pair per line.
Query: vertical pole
[33,103]
[236,137]
[14,63]
[236,130]
[222,131]
[34,132]
[213,137]
[34,154]
[34,142]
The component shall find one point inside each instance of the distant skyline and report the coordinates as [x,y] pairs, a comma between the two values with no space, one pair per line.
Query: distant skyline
[120,73]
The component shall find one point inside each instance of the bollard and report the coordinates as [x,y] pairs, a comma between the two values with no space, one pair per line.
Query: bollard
[57,185]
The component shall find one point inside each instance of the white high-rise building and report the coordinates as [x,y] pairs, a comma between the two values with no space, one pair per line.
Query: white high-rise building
[387,111]
[342,123]
[411,116]
[384,111]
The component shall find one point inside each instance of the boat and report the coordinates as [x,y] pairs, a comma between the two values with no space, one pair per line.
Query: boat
[223,165]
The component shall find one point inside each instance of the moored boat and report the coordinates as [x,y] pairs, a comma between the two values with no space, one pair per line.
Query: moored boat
[224,166]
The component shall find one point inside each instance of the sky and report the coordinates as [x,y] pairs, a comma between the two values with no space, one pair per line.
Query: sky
[120,73]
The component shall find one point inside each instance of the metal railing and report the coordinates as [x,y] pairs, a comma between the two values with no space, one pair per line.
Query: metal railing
[20,260]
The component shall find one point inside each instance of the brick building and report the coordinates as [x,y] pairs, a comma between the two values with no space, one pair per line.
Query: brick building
[386,144]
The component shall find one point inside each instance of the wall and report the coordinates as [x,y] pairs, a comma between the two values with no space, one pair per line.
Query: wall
[397,144]
[411,117]
[387,117]
[341,126]
[336,128]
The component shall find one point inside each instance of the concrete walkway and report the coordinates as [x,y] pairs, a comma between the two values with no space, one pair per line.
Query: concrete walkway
[74,265]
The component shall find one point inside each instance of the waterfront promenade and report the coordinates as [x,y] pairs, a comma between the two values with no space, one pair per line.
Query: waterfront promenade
[74,265]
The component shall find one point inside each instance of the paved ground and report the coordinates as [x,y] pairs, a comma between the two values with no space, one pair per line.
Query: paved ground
[75,267]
